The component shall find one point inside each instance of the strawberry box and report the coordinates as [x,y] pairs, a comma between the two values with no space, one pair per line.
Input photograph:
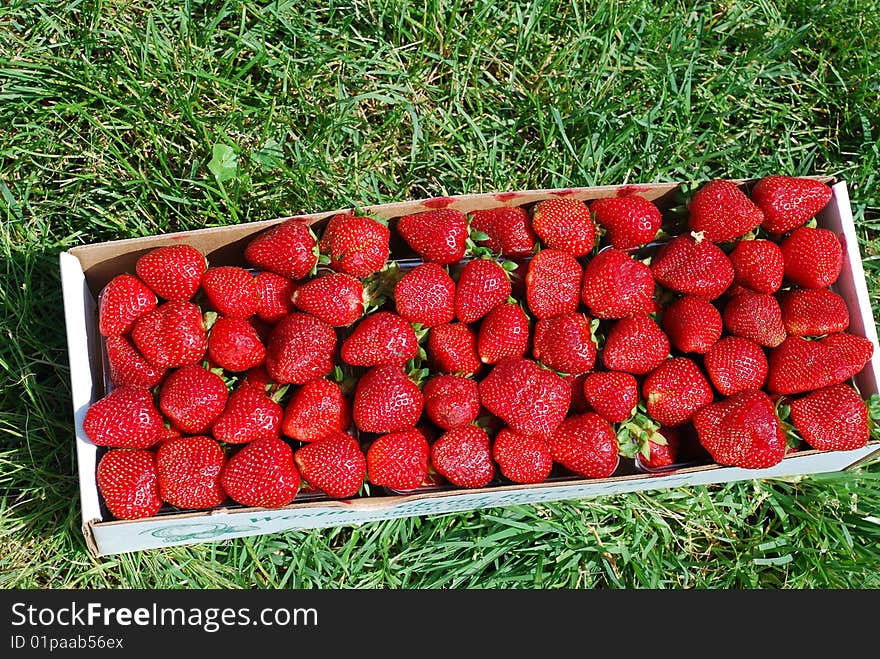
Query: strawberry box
[87,269]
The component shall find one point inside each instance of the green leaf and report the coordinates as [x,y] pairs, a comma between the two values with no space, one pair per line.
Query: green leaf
[224,163]
[479,236]
[269,156]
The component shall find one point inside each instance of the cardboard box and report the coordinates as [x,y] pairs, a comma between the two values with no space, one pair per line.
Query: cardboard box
[85,270]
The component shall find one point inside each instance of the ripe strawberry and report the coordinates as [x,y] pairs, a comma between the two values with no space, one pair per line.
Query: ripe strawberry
[335,465]
[586,445]
[451,401]
[693,324]
[336,298]
[508,229]
[463,456]
[274,294]
[438,236]
[259,379]
[813,312]
[193,398]
[578,403]
[566,224]
[300,348]
[741,431]
[788,202]
[528,398]
[452,348]
[522,458]
[635,345]
[316,410]
[553,283]
[380,338]
[675,390]
[399,460]
[482,285]
[127,366]
[124,418]
[799,365]
[234,345]
[386,400]
[231,291]
[171,335]
[189,472]
[288,249]
[565,343]
[757,265]
[629,221]
[426,295]
[735,364]
[691,266]
[504,332]
[755,316]
[356,245]
[832,419]
[173,272]
[722,212]
[262,474]
[813,257]
[129,483]
[121,302]
[662,448]
[615,285]
[612,394]
[249,415]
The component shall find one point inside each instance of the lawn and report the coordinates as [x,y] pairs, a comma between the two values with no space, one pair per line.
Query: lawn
[110,112]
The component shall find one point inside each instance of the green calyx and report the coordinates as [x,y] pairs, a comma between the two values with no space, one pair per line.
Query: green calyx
[636,434]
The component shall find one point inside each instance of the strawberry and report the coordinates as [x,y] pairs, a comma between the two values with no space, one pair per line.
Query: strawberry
[335,465]
[675,390]
[452,348]
[463,456]
[722,212]
[249,415]
[189,472]
[553,283]
[451,401]
[288,249]
[565,224]
[612,394]
[231,291]
[832,419]
[121,302]
[193,398]
[693,324]
[336,298]
[575,381]
[259,379]
[799,365]
[635,345]
[124,418]
[741,431]
[692,266]
[315,410]
[355,245]
[234,345]
[129,483]
[127,366]
[438,236]
[629,221]
[173,272]
[171,335]
[615,285]
[735,364]
[399,460]
[755,316]
[529,399]
[586,445]
[482,285]
[508,230]
[262,474]
[788,202]
[813,312]
[300,348]
[522,458]
[757,265]
[426,295]
[813,257]
[386,400]
[565,343]
[274,294]
[662,449]
[504,332]
[380,338]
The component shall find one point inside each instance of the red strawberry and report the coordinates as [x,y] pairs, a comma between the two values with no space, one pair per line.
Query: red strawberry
[799,365]
[553,283]
[234,345]
[249,415]
[426,295]
[463,456]
[615,285]
[586,445]
[299,349]
[174,272]
[316,410]
[451,400]
[692,323]
[262,474]
[832,419]
[565,343]
[578,403]
[275,296]
[127,366]
[452,348]
[635,345]
[735,364]
[813,257]
[629,221]
[386,400]
[565,224]
[171,335]
[231,291]
[695,267]
[813,312]
[508,229]
[129,483]
[288,249]
[788,202]
[259,379]
[722,212]
[380,338]
[189,472]
[504,332]
[663,448]
[755,316]
[482,285]
[741,431]
[356,245]
[121,303]
[124,418]
[399,460]
[675,390]
[336,298]
[612,394]
[335,465]
[193,398]
[757,265]
[522,458]
[438,236]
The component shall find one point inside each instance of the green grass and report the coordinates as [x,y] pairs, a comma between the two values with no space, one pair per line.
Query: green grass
[110,112]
